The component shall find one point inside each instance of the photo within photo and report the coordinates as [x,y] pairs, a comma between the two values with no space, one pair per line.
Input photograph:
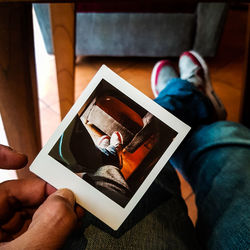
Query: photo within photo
[113,143]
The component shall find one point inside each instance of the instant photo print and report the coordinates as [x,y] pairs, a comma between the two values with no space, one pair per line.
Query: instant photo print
[110,147]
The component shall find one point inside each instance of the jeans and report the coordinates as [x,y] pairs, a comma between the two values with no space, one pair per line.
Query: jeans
[109,156]
[215,159]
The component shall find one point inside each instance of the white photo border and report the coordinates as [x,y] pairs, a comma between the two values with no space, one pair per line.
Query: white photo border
[88,196]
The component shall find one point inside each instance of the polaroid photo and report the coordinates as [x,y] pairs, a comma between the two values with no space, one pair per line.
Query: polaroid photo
[110,147]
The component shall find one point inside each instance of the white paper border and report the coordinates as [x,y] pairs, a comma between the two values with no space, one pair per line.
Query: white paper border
[87,196]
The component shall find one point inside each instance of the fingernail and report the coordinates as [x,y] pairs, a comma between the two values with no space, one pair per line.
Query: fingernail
[67,194]
[8,147]
[17,152]
[14,150]
[50,189]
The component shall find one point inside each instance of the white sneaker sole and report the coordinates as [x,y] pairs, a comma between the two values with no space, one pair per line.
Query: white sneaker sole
[219,107]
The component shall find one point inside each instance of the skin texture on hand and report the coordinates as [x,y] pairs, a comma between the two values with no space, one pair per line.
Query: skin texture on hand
[10,159]
[32,214]
[51,223]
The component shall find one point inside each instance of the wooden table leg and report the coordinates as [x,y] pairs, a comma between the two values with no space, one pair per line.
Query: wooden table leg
[245,103]
[63,36]
[18,89]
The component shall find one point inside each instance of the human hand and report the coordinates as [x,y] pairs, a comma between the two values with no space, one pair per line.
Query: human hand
[29,218]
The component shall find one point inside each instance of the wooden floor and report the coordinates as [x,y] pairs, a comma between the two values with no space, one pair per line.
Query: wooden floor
[226,73]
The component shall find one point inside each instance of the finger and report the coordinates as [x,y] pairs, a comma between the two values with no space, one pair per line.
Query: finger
[66,194]
[57,216]
[29,212]
[24,228]
[79,212]
[15,224]
[10,159]
[50,189]
[20,193]
[4,236]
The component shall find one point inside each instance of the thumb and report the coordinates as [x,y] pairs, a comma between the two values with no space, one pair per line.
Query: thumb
[51,224]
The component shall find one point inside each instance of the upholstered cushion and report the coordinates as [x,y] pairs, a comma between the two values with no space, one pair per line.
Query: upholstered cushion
[134,34]
[160,32]
[109,114]
[121,113]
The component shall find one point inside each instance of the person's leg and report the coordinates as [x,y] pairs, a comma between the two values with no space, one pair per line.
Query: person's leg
[191,97]
[110,148]
[186,102]
[159,221]
[109,156]
[215,160]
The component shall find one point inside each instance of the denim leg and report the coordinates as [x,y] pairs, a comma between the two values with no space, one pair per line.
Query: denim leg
[159,221]
[109,156]
[215,160]
[186,102]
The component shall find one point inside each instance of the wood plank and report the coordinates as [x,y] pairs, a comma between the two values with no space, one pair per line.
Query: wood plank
[63,36]
[18,89]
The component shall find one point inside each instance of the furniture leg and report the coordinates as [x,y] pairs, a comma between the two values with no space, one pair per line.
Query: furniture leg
[18,89]
[63,36]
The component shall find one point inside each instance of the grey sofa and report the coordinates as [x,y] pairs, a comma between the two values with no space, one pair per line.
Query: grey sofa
[109,114]
[143,34]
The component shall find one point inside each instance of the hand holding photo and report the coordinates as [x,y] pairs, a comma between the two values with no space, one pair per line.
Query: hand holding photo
[110,147]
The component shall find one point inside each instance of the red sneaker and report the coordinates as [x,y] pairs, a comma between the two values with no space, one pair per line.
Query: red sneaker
[103,141]
[193,68]
[116,140]
[163,71]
